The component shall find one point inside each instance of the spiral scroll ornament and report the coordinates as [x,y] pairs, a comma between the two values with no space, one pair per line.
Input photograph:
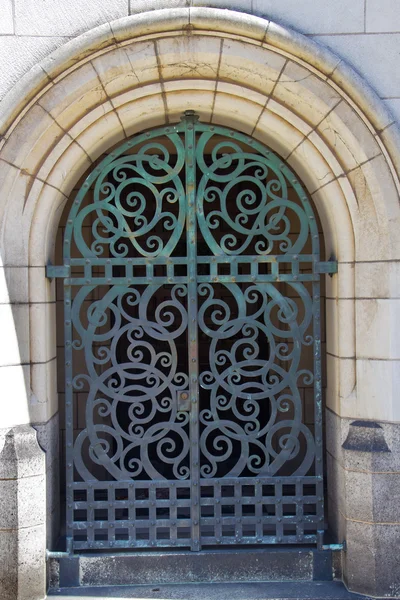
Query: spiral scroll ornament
[191,275]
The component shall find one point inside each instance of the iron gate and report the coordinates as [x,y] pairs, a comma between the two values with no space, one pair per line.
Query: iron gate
[191,294]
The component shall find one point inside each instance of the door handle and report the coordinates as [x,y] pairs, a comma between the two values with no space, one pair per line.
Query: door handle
[183,401]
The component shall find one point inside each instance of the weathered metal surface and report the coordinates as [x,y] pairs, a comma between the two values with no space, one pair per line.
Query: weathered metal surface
[192,266]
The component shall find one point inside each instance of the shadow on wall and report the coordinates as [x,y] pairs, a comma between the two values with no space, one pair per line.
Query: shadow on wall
[14,371]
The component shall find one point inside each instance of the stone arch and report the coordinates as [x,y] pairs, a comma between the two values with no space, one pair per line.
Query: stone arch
[234,70]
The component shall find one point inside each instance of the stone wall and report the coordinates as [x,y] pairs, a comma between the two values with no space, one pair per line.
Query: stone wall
[366,33]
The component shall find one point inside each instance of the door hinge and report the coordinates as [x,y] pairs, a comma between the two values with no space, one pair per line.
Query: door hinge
[57,271]
[328,266]
[334,547]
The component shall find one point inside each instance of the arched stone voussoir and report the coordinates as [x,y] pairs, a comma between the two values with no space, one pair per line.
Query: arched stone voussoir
[151,106]
[111,91]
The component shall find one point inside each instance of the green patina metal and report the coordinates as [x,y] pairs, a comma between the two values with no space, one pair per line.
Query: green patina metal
[192,289]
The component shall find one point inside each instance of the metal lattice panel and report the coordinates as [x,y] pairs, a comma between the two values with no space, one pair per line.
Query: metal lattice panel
[191,276]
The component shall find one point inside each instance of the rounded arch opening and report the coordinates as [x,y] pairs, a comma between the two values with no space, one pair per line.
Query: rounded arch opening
[259,202]
[345,151]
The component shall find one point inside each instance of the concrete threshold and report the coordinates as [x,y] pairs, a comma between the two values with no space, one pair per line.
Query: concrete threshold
[331,590]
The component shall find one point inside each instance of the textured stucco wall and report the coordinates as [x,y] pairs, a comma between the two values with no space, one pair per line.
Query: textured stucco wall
[364,32]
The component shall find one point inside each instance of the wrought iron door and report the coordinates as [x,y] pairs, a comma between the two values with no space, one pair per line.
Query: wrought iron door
[191,293]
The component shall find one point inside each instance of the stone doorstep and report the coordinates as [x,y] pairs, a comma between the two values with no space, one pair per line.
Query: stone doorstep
[332,590]
[185,567]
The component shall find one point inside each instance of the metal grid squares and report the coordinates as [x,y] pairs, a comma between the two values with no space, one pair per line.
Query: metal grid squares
[262,510]
[130,515]
[160,514]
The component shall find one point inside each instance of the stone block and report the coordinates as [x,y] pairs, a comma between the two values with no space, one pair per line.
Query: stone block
[20,454]
[305,93]
[341,392]
[252,66]
[370,564]
[6,17]
[63,178]
[268,564]
[240,113]
[76,94]
[377,327]
[348,137]
[32,563]
[19,54]
[208,19]
[391,139]
[197,94]
[340,332]
[278,134]
[47,436]
[328,17]
[386,497]
[14,319]
[13,285]
[102,135]
[342,286]
[359,502]
[285,113]
[125,68]
[57,18]
[41,289]
[42,331]
[43,400]
[303,154]
[332,204]
[359,559]
[8,565]
[20,150]
[377,280]
[11,178]
[378,205]
[378,382]
[116,68]
[143,112]
[15,383]
[22,516]
[22,502]
[188,57]
[382,15]
[336,433]
[150,23]
[48,161]
[49,208]
[371,55]
[336,482]
[387,561]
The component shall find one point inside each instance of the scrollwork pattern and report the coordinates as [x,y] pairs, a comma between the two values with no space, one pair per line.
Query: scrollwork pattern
[119,215]
[131,357]
[255,336]
[134,344]
[263,217]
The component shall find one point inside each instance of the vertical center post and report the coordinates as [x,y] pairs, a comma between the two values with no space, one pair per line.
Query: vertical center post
[190,161]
